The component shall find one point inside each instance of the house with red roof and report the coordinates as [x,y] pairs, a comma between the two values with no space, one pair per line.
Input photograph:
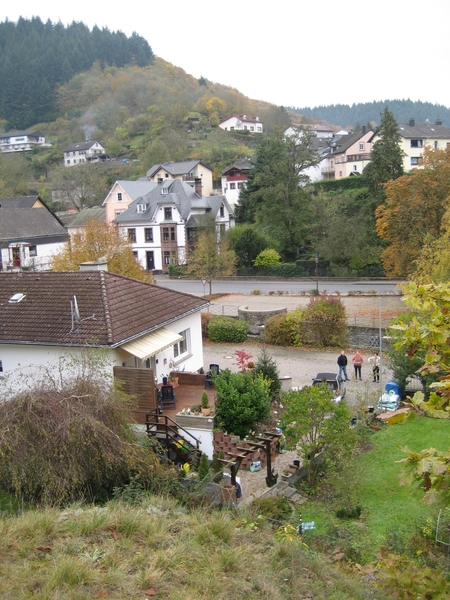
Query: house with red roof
[49,315]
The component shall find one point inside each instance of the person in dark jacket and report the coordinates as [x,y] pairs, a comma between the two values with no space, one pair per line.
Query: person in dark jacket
[342,362]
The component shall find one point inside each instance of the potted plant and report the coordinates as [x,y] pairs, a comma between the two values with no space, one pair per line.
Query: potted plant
[196,409]
[173,376]
[206,409]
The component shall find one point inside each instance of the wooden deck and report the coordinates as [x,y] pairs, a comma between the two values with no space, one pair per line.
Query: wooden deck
[187,396]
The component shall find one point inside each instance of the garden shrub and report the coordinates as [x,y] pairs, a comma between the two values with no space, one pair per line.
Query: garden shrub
[206,318]
[324,322]
[242,401]
[267,367]
[277,331]
[71,440]
[267,258]
[273,507]
[227,329]
[285,330]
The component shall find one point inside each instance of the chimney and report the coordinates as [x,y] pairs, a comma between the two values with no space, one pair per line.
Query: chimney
[363,129]
[160,180]
[412,123]
[438,121]
[101,264]
[198,186]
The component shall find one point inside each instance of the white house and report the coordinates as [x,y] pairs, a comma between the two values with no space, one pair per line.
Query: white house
[415,136]
[19,141]
[233,179]
[242,123]
[160,225]
[30,233]
[188,171]
[59,314]
[82,152]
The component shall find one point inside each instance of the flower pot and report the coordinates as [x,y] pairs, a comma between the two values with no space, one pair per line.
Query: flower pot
[206,412]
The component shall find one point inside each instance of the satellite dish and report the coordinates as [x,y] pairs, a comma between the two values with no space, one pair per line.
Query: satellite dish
[76,312]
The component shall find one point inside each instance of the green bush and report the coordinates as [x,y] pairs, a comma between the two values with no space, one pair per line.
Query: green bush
[285,330]
[227,329]
[277,331]
[324,322]
[203,468]
[273,507]
[242,401]
[267,258]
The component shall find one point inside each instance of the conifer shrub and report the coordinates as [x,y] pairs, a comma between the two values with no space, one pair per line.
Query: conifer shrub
[203,468]
[268,368]
[227,329]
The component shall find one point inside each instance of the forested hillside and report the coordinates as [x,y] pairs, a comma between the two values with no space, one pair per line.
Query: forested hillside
[362,113]
[36,58]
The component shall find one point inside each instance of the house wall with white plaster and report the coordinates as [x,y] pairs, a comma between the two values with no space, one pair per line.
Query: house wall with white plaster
[21,364]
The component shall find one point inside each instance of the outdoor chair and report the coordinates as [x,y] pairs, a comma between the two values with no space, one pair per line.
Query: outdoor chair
[168,398]
[214,368]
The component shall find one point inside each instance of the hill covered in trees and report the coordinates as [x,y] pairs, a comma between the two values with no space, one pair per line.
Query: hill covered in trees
[362,113]
[36,58]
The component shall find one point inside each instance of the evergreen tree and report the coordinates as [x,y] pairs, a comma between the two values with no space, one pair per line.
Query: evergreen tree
[387,156]
[268,368]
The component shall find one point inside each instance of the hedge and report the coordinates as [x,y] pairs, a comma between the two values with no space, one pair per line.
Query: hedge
[227,329]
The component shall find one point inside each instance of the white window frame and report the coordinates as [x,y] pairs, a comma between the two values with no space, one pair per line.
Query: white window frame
[182,348]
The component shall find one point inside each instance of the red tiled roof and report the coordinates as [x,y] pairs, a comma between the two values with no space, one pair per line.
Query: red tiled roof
[112,308]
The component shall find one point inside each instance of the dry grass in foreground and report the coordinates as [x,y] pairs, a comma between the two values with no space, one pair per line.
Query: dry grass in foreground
[158,549]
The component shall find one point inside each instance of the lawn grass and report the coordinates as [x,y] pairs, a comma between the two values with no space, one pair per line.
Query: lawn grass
[391,514]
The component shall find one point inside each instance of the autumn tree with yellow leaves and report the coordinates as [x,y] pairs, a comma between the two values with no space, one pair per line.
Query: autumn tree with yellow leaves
[98,240]
[411,219]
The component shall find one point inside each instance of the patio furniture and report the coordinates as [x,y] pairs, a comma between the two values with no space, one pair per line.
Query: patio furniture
[167,398]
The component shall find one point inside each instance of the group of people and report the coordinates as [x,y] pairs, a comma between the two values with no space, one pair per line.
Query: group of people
[357,361]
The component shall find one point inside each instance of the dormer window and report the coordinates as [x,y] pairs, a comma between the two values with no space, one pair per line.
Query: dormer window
[167,214]
[222,211]
[141,208]
[164,190]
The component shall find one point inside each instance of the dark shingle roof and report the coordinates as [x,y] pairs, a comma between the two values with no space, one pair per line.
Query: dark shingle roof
[423,130]
[180,194]
[107,305]
[96,213]
[80,146]
[20,222]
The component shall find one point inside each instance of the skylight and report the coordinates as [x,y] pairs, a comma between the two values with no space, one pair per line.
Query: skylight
[16,298]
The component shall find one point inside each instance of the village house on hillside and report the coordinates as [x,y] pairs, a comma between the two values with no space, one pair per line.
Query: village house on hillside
[48,316]
[234,178]
[122,194]
[161,224]
[82,152]
[30,233]
[349,155]
[242,123]
[187,171]
[20,141]
[415,136]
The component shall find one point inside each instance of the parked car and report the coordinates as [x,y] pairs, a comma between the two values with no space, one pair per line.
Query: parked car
[334,383]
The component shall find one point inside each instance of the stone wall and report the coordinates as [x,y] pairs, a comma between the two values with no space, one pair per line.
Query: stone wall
[257,318]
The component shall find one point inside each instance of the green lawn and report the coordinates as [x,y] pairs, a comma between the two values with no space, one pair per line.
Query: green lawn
[390,513]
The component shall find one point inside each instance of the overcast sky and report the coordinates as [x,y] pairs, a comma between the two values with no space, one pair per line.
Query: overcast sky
[292,53]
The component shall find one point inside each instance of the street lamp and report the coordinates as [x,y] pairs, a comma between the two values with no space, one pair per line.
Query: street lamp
[203,283]
[317,272]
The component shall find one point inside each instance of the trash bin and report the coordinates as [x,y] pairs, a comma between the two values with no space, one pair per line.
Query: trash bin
[391,385]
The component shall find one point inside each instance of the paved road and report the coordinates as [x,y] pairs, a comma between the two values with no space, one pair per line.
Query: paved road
[289,286]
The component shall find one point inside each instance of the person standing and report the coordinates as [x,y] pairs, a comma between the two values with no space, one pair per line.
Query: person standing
[376,366]
[342,362]
[357,361]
